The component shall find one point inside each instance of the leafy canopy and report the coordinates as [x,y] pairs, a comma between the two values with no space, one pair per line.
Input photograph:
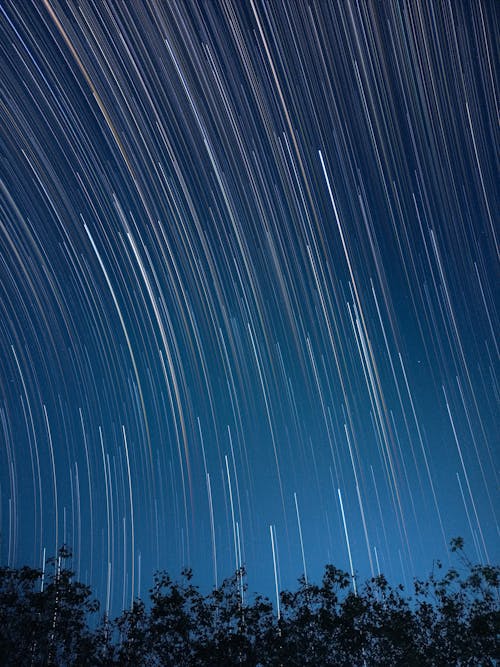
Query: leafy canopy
[450,618]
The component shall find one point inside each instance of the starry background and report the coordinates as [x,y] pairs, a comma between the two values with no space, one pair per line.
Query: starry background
[248,287]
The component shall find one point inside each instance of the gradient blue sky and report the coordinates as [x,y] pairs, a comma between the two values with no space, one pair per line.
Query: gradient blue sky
[248,287]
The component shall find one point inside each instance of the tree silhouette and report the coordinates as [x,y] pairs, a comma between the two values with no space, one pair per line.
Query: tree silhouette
[46,626]
[451,618]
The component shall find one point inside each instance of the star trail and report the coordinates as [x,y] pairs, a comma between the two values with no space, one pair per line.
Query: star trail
[248,287]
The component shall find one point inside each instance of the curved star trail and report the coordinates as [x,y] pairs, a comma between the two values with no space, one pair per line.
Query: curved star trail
[248,287]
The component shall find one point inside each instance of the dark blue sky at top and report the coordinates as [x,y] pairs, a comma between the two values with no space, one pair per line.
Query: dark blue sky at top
[248,287]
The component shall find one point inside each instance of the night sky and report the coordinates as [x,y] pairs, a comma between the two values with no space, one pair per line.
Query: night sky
[248,287]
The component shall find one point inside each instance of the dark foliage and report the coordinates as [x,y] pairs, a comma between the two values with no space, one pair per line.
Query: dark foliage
[49,626]
[452,618]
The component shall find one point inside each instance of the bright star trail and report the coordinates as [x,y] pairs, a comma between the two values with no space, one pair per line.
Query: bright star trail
[248,287]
